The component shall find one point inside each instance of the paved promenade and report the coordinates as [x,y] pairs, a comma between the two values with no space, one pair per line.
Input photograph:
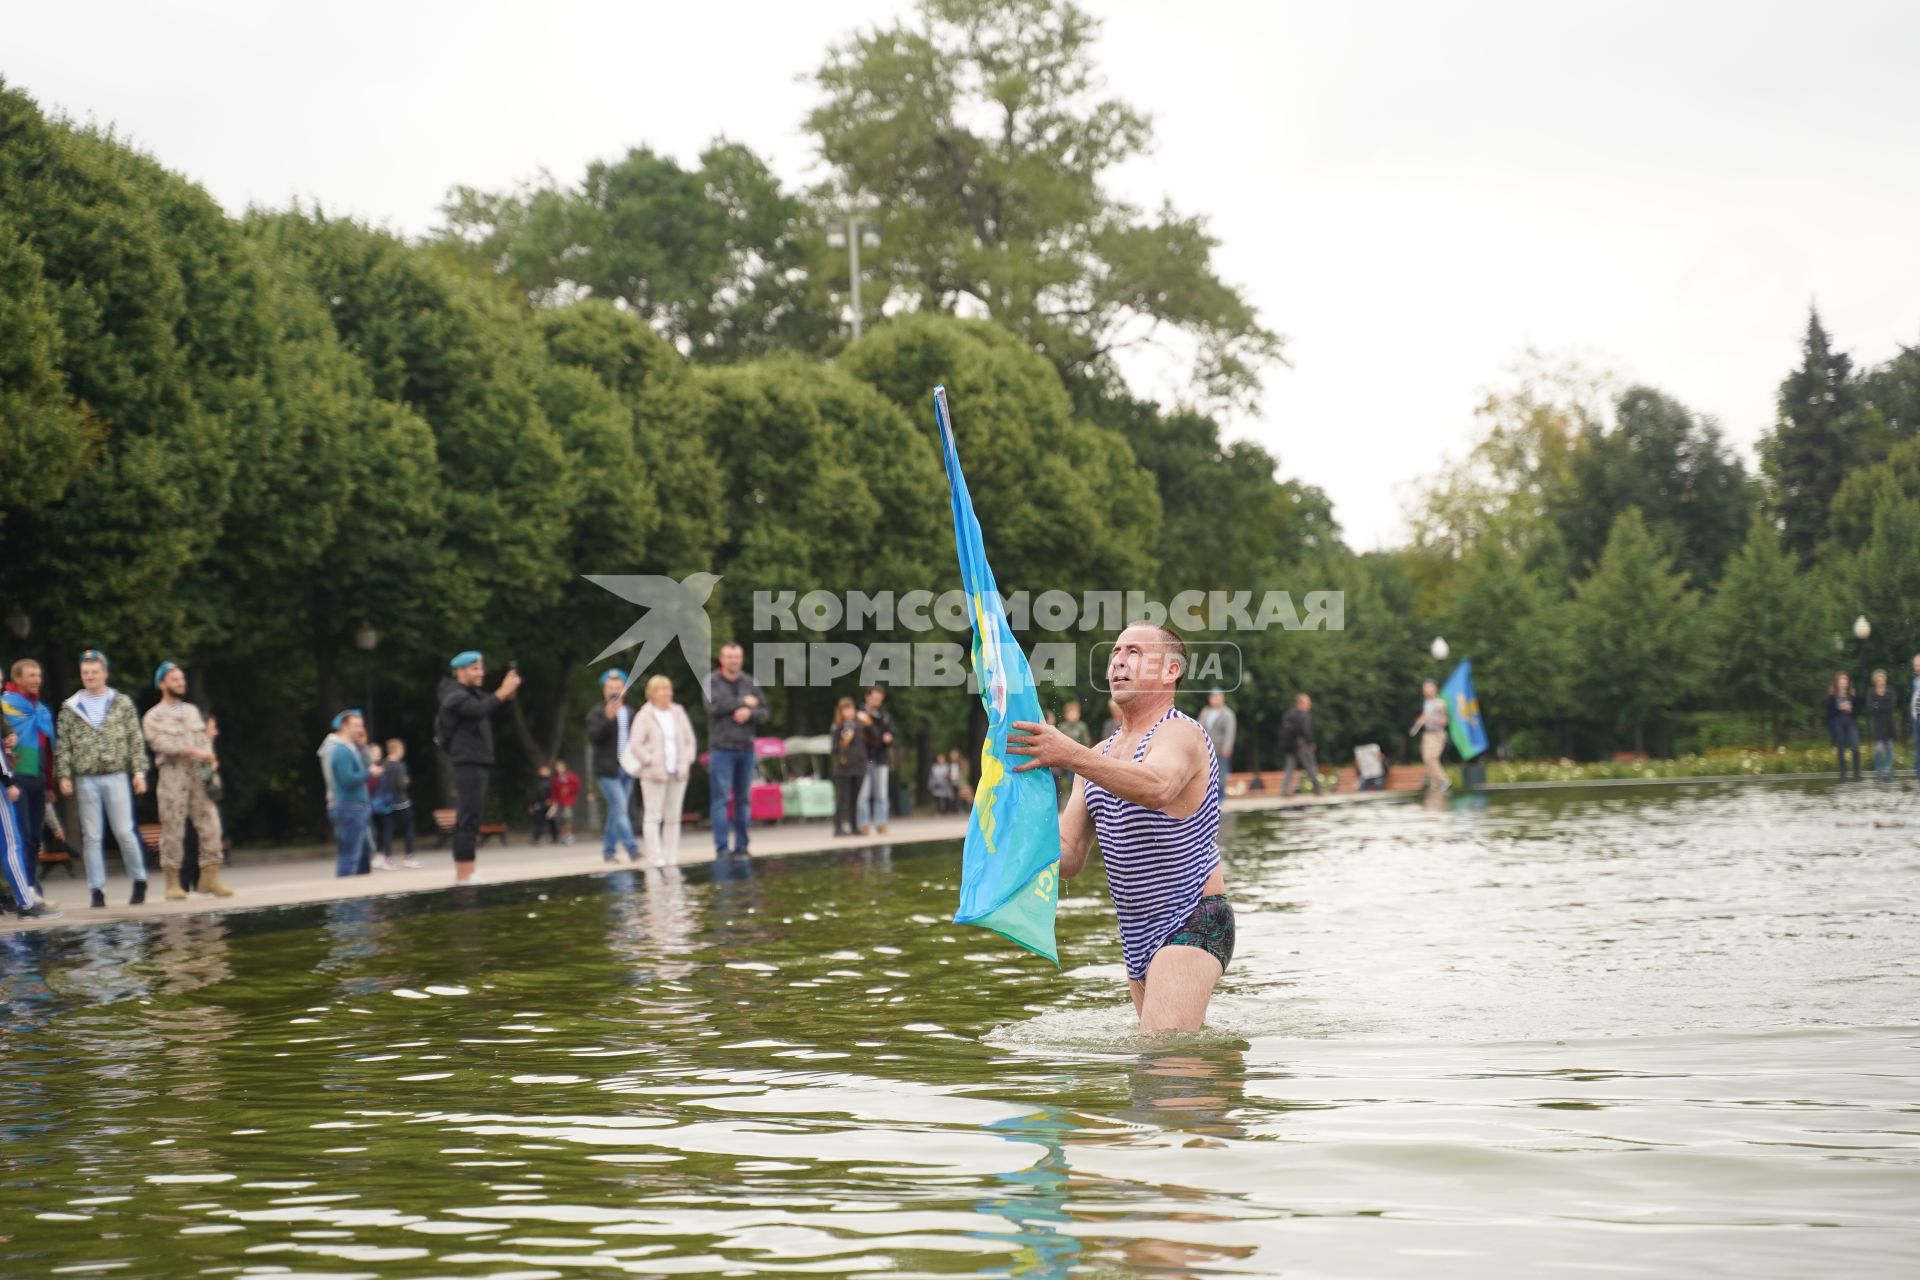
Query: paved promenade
[282,876]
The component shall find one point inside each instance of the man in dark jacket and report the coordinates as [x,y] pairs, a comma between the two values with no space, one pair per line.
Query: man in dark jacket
[876,795]
[608,727]
[1297,745]
[735,705]
[465,730]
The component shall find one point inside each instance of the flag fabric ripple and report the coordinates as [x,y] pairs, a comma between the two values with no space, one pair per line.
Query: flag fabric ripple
[1010,872]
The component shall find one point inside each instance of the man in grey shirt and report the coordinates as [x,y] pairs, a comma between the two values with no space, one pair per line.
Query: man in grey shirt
[1221,725]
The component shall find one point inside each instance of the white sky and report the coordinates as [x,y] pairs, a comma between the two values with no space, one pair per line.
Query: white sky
[1413,192]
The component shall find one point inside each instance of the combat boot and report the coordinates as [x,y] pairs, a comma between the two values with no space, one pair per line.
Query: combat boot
[174,892]
[210,881]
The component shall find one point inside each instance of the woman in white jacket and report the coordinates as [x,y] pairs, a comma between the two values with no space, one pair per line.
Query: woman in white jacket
[660,751]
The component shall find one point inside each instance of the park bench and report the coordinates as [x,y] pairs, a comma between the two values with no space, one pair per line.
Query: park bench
[443,820]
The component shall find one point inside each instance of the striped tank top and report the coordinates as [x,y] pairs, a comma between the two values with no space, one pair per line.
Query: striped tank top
[1157,865]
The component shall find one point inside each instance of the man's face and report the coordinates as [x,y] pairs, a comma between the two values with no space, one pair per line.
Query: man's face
[1072,712]
[29,680]
[874,698]
[731,656]
[471,675]
[1429,689]
[354,730]
[614,689]
[93,676]
[174,683]
[1304,702]
[396,751]
[1143,664]
[1216,699]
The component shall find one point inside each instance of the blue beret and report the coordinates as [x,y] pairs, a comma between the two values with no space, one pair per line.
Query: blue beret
[465,658]
[160,672]
[342,717]
[609,674]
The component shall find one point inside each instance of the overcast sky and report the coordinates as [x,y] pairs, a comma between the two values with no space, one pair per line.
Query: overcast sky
[1414,193]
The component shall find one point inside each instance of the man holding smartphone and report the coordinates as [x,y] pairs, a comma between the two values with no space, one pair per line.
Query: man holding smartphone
[464,728]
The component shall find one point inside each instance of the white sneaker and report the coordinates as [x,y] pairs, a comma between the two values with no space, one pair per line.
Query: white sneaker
[382,862]
[412,863]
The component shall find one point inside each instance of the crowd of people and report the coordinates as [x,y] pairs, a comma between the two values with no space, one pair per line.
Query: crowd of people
[98,751]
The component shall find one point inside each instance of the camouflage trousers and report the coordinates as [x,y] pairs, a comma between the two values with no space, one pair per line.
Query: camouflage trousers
[183,798]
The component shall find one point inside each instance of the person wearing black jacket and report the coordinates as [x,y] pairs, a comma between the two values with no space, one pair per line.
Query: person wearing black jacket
[735,705]
[465,730]
[1880,716]
[608,726]
[849,744]
[1297,746]
[875,796]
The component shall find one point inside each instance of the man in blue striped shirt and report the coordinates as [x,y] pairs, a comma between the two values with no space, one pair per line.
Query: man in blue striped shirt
[1151,793]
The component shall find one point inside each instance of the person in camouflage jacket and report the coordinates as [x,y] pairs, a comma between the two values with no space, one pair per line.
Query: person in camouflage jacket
[97,744]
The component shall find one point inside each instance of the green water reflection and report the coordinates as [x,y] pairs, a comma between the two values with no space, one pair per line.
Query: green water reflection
[1668,1031]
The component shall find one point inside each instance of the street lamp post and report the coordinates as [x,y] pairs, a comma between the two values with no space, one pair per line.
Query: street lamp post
[851,240]
[1861,630]
[1439,649]
[366,640]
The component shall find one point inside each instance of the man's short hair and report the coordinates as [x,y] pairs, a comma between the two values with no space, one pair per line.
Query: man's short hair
[876,688]
[733,644]
[19,667]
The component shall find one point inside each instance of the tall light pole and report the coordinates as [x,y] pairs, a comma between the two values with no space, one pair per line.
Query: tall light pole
[1861,630]
[850,240]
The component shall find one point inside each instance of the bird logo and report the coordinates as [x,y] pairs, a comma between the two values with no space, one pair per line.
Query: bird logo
[675,611]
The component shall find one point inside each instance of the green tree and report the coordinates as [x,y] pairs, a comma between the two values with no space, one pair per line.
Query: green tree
[1507,620]
[976,135]
[472,365]
[1673,465]
[1815,441]
[1880,579]
[1771,633]
[1635,634]
[46,438]
[1065,503]
[718,258]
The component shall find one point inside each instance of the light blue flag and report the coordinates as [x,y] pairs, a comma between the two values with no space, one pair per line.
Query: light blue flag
[1010,872]
[1463,713]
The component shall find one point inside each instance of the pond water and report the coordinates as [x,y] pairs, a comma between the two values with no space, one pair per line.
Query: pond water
[1653,1032]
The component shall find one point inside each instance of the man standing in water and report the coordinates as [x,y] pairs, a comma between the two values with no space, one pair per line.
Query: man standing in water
[1152,793]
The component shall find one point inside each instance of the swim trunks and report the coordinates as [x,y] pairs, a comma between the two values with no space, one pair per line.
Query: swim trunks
[1209,928]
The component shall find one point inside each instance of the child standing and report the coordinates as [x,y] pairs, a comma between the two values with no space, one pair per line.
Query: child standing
[540,806]
[565,790]
[395,781]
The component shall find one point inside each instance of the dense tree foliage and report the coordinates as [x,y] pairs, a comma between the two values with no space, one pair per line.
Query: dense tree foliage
[259,445]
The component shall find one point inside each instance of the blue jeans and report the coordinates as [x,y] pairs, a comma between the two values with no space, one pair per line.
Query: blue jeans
[350,836]
[618,794]
[106,800]
[731,772]
[1883,757]
[873,807]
